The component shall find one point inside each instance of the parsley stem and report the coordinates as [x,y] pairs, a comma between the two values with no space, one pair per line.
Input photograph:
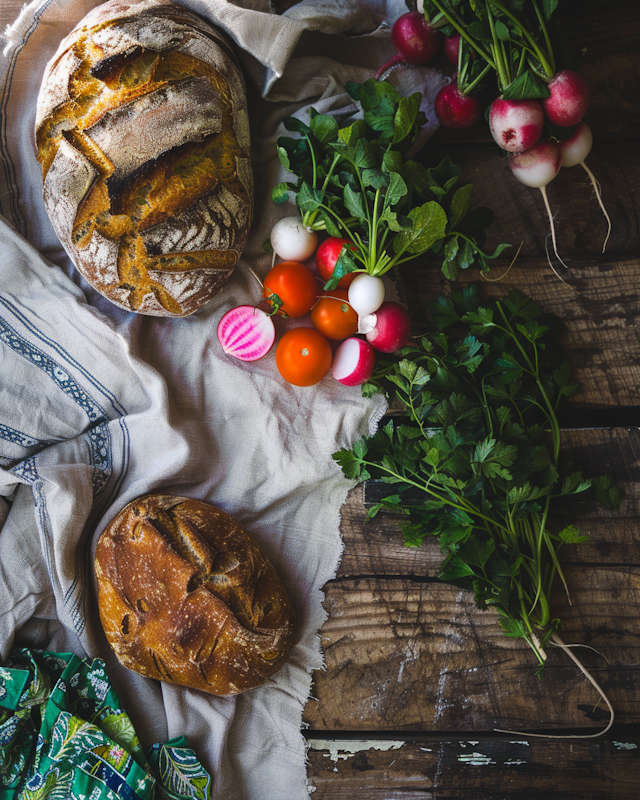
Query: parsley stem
[551,416]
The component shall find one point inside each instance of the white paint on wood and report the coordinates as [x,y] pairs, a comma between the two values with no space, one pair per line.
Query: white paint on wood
[348,749]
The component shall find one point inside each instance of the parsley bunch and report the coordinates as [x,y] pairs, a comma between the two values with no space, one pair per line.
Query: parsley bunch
[357,182]
[477,459]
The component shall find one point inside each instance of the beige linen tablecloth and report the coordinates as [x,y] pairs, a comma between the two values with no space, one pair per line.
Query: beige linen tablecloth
[98,406]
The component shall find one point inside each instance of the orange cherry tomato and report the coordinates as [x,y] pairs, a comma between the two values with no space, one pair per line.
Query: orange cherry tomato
[294,285]
[303,356]
[335,318]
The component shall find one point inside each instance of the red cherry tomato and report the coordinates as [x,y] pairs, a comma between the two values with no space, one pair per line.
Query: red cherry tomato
[335,318]
[326,257]
[294,285]
[303,356]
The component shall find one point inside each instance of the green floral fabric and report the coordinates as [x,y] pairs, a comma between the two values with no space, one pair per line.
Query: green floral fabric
[64,736]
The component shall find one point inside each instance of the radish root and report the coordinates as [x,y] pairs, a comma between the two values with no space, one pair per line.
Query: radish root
[506,272]
[555,639]
[596,189]
[543,190]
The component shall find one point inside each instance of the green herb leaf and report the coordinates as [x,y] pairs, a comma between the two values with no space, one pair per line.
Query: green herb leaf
[308,198]
[354,203]
[324,128]
[429,225]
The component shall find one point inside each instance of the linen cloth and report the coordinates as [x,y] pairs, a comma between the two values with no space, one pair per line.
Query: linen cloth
[99,406]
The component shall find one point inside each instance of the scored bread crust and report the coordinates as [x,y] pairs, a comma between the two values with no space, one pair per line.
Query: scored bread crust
[142,131]
[186,596]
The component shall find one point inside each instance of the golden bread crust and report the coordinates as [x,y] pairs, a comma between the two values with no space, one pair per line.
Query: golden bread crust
[146,102]
[186,596]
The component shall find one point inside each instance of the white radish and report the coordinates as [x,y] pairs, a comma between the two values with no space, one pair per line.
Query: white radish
[366,293]
[537,167]
[246,332]
[574,151]
[353,362]
[292,241]
[516,125]
[389,328]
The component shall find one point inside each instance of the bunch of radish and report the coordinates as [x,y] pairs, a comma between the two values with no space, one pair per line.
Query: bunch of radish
[348,324]
[517,127]
[537,117]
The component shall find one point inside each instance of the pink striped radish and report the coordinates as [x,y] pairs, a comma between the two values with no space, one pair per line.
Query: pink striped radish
[574,151]
[246,332]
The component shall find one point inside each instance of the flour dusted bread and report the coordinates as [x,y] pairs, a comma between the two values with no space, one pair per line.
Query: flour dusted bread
[186,596]
[143,135]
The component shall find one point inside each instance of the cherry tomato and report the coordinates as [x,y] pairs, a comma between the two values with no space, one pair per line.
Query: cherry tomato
[326,257]
[303,356]
[295,285]
[334,317]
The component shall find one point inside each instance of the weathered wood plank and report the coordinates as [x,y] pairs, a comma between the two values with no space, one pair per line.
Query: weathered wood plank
[520,214]
[409,655]
[402,652]
[484,769]
[600,309]
[375,547]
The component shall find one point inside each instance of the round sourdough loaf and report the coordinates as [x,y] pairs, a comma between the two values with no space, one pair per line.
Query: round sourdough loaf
[186,596]
[143,135]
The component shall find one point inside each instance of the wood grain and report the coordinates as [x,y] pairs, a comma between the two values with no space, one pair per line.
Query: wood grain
[410,655]
[482,768]
[375,548]
[406,652]
[599,310]
[520,215]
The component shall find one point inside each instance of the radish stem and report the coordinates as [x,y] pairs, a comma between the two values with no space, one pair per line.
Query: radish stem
[596,189]
[567,649]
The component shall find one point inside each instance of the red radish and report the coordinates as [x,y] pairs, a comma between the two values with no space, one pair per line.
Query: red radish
[246,333]
[451,47]
[292,241]
[415,41]
[353,362]
[574,151]
[455,109]
[389,328]
[516,125]
[366,293]
[537,167]
[327,256]
[569,99]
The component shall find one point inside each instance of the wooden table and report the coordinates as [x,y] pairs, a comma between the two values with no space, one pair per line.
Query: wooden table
[417,678]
